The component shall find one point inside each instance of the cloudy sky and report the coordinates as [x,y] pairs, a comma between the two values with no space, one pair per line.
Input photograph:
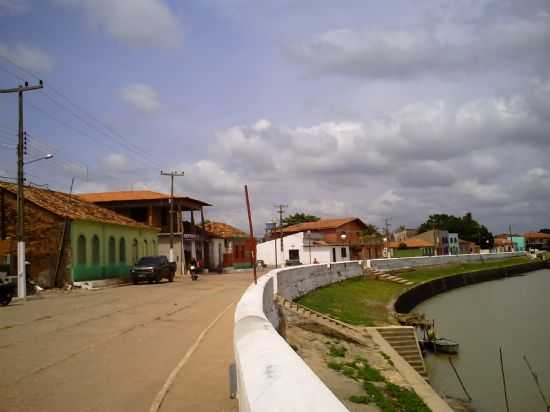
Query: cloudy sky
[353,108]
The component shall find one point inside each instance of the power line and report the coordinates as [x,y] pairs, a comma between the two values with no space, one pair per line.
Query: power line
[112,134]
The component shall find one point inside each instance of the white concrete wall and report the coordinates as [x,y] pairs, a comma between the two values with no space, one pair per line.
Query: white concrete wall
[323,254]
[399,263]
[214,251]
[271,376]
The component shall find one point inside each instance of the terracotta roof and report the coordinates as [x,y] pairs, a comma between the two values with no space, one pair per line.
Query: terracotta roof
[70,206]
[223,230]
[321,224]
[411,243]
[131,195]
[536,235]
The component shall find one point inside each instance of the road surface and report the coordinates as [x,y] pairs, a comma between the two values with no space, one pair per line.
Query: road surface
[116,349]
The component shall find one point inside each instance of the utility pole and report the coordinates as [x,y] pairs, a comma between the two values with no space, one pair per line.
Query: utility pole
[387,231]
[511,238]
[172,175]
[21,269]
[281,209]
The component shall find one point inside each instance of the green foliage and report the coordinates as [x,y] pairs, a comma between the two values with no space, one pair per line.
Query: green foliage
[402,245]
[298,218]
[408,400]
[378,397]
[337,366]
[547,231]
[466,227]
[349,371]
[371,230]
[337,351]
[360,399]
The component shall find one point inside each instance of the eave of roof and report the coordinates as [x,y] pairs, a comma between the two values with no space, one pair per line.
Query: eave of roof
[134,196]
[322,224]
[72,207]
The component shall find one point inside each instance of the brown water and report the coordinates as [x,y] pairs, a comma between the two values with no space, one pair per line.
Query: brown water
[513,313]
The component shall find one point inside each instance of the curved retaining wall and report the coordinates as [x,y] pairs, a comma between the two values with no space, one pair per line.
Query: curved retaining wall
[408,300]
[270,375]
[399,263]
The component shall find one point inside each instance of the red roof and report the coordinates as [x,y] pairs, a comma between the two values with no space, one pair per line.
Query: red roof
[131,195]
[71,206]
[536,235]
[223,230]
[322,224]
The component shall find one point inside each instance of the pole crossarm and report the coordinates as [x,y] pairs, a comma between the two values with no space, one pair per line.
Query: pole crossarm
[172,175]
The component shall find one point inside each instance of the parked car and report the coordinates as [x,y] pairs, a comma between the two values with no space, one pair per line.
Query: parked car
[153,269]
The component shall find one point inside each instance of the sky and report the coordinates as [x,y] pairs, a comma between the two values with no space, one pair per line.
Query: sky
[359,108]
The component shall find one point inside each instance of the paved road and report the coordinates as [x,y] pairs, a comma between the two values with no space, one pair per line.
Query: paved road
[114,349]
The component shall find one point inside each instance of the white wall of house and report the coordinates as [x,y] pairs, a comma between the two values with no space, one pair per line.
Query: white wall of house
[266,251]
[217,249]
[454,247]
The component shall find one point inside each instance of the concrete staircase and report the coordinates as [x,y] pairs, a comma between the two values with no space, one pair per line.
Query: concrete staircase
[403,340]
[378,274]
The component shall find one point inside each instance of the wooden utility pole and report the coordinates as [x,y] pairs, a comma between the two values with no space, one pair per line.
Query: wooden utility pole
[21,269]
[252,240]
[281,209]
[172,175]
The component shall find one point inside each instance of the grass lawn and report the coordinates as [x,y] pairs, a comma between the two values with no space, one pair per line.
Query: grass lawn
[365,301]
[433,272]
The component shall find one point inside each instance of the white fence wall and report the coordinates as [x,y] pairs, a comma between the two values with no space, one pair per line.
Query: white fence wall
[399,263]
[270,375]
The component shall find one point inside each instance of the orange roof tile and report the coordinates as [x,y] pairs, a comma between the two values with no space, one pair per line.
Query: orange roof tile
[223,230]
[71,206]
[321,224]
[131,195]
[536,235]
[411,243]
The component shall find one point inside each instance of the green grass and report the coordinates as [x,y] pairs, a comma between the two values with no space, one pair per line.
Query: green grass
[337,351]
[355,301]
[365,301]
[433,272]
[407,399]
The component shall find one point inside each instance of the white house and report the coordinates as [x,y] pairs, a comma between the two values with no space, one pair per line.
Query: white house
[454,246]
[297,247]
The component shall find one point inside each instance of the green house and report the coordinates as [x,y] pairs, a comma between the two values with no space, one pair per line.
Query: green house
[68,239]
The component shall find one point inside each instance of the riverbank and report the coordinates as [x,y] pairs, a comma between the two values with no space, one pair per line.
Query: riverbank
[368,302]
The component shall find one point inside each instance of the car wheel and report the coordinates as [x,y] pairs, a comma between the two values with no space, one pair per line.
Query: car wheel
[135,280]
[171,277]
[157,278]
[5,300]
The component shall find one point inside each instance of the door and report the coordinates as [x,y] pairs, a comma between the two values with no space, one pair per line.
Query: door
[334,254]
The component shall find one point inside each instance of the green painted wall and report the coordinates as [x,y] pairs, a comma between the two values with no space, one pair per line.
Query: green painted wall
[147,242]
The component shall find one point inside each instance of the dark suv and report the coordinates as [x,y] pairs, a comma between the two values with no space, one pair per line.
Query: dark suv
[153,269]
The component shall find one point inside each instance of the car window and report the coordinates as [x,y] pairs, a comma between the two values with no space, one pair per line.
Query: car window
[148,261]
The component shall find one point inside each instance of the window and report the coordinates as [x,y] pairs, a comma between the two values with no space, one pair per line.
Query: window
[122,250]
[294,254]
[344,252]
[334,254]
[145,248]
[112,251]
[81,250]
[154,247]
[95,250]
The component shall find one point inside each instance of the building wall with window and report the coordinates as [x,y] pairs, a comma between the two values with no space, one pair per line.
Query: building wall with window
[295,247]
[102,250]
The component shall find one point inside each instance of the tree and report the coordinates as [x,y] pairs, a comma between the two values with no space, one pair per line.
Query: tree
[547,231]
[370,230]
[466,227]
[298,218]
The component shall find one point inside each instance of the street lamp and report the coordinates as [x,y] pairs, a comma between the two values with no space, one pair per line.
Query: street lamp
[386,247]
[21,252]
[46,157]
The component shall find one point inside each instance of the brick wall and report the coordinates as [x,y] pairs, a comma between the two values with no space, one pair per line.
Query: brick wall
[42,234]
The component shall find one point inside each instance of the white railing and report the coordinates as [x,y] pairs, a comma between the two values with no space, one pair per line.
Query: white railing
[270,375]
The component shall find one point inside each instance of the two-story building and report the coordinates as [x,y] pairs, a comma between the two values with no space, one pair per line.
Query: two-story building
[153,209]
[537,241]
[324,241]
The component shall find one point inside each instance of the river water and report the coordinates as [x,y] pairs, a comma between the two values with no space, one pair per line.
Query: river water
[513,313]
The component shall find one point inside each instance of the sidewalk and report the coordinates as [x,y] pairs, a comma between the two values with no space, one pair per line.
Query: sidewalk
[203,383]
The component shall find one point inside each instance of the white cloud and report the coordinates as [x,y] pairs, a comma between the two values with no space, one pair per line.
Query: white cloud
[444,51]
[149,23]
[30,58]
[141,96]
[115,162]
